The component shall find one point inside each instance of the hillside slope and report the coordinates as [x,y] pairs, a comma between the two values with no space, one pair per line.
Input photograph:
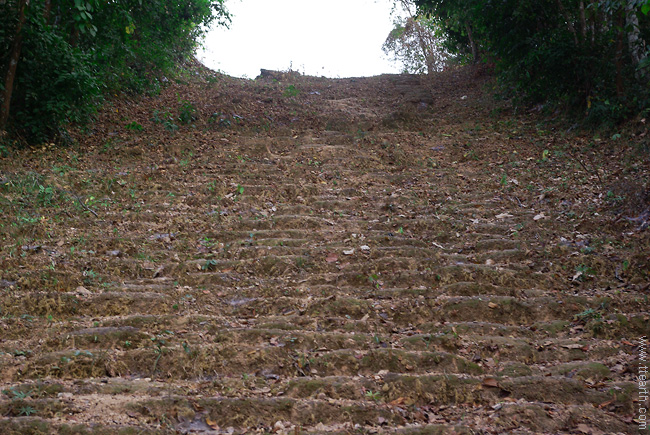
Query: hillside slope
[308,255]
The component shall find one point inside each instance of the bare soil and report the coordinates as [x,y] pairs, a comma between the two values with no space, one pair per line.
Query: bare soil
[294,254]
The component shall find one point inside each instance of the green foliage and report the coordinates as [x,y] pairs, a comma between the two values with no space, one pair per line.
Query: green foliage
[165,118]
[134,126]
[5,146]
[54,84]
[187,112]
[590,56]
[75,53]
[588,314]
[220,119]
[27,411]
[291,91]
[209,265]
[374,395]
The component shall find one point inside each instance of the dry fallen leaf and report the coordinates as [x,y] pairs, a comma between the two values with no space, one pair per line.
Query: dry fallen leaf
[332,258]
[402,401]
[213,424]
[583,428]
[490,382]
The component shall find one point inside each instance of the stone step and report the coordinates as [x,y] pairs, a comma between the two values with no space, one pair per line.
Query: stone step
[419,400]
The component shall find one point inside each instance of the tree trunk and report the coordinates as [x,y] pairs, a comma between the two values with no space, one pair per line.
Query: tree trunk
[635,43]
[583,22]
[47,10]
[619,53]
[13,65]
[472,42]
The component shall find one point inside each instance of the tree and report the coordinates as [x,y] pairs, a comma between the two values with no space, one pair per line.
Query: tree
[72,52]
[587,54]
[415,41]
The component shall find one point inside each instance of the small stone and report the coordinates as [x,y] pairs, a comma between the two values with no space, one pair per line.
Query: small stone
[83,291]
[31,248]
[159,271]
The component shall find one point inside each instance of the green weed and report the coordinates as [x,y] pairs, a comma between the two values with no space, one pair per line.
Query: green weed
[134,126]
[373,395]
[165,118]
[291,91]
[187,112]
[209,265]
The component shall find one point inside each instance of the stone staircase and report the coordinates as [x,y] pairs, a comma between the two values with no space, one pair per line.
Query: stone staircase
[322,281]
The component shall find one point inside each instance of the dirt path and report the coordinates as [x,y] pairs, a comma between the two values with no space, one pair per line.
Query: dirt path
[308,255]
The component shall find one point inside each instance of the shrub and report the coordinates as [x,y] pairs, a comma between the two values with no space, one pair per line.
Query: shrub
[73,53]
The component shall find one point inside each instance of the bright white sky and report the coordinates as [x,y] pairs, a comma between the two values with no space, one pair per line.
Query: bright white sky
[331,38]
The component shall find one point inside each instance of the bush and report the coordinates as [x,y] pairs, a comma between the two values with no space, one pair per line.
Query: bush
[582,54]
[54,86]
[76,52]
